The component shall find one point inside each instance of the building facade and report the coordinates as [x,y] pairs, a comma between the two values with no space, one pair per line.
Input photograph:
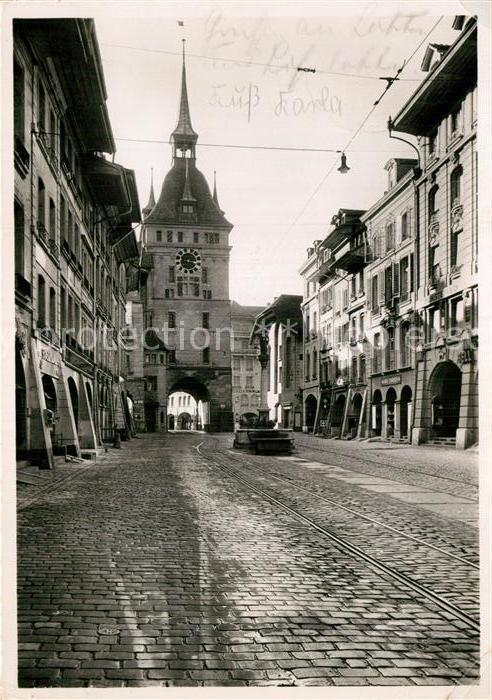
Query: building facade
[397,294]
[390,226]
[73,215]
[278,331]
[442,114]
[185,290]
[246,369]
[311,340]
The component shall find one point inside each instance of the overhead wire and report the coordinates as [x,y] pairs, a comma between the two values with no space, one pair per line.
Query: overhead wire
[361,126]
[258,64]
[250,146]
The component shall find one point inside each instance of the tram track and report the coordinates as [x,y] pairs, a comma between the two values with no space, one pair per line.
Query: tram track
[367,518]
[375,562]
[378,463]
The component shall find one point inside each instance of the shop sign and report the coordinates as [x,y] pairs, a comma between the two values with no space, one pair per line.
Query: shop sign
[388,381]
[49,362]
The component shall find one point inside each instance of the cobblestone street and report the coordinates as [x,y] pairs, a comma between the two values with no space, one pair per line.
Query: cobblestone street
[177,561]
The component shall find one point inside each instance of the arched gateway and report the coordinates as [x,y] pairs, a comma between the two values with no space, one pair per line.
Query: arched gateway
[445,395]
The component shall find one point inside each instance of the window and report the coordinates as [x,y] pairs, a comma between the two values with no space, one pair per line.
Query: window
[353,369]
[455,185]
[455,250]
[249,381]
[390,236]
[41,203]
[376,360]
[53,323]
[404,226]
[205,319]
[180,236]
[404,279]
[204,275]
[52,220]
[456,316]
[19,106]
[182,289]
[206,356]
[455,120]
[187,208]
[171,319]
[41,107]
[353,329]
[153,358]
[196,289]
[169,293]
[172,356]
[236,380]
[169,236]
[361,326]
[249,364]
[158,236]
[361,282]
[41,301]
[375,300]
[151,383]
[172,276]
[432,201]
[434,267]
[306,366]
[345,298]
[196,237]
[161,358]
[362,369]
[19,238]
[236,363]
[353,287]
[434,322]
[404,344]
[390,349]
[432,142]
[388,284]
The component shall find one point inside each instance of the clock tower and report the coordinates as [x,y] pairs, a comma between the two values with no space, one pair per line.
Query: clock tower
[186,249]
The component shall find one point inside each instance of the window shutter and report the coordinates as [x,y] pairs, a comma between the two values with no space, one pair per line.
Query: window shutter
[409,223]
[396,279]
[411,272]
[369,293]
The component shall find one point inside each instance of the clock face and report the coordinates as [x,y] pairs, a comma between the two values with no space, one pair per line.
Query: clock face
[188,260]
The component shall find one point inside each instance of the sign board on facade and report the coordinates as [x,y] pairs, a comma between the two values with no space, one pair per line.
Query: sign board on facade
[388,381]
[49,361]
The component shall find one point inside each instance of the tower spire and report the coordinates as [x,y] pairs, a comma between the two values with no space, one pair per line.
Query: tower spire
[184,137]
[151,203]
[216,200]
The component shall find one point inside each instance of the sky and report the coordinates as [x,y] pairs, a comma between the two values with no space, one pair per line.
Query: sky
[244,89]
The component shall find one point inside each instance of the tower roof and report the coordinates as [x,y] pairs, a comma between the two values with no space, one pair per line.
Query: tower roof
[169,205]
[184,132]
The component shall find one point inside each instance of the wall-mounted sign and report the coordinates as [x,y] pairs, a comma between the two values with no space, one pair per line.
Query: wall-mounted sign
[49,361]
[388,381]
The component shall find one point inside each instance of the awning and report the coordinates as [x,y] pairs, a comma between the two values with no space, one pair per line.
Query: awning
[108,183]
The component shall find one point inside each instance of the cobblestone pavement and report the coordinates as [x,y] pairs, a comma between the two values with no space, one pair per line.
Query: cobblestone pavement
[155,567]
